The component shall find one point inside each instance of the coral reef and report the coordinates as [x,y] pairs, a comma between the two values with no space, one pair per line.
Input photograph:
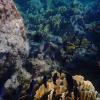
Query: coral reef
[18,78]
[65,31]
[59,37]
[59,23]
[62,86]
[14,46]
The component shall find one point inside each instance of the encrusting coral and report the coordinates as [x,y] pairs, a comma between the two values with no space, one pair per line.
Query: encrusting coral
[62,86]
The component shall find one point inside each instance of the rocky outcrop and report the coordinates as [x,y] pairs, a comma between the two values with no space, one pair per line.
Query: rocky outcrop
[13,40]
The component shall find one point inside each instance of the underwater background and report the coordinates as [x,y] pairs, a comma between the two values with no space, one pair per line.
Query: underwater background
[71,27]
[59,37]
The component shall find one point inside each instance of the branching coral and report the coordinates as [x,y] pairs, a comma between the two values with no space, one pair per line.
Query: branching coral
[56,18]
[50,21]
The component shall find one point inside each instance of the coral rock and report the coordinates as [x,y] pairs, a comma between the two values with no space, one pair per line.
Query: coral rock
[82,90]
[13,40]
